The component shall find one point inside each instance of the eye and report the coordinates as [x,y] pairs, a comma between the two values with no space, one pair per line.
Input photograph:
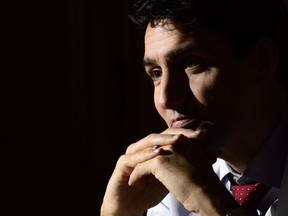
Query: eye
[155,74]
[191,63]
[194,65]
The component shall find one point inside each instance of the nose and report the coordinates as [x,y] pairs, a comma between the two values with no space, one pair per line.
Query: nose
[173,91]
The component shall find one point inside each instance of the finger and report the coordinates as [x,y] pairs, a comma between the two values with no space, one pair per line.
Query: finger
[144,181]
[153,140]
[198,134]
[141,174]
[128,162]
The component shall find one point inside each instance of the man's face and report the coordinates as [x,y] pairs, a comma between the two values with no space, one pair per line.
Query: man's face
[198,78]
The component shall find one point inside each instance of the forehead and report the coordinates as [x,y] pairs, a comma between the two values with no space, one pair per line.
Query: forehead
[161,31]
[163,40]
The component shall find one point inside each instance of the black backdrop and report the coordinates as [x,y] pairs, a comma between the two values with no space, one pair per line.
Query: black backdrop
[73,96]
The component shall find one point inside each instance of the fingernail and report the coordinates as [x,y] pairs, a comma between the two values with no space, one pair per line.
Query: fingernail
[154,148]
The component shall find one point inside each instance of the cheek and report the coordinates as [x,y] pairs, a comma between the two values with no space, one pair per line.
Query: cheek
[224,96]
[204,87]
[215,94]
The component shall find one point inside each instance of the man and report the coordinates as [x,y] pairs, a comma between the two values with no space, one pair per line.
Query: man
[218,73]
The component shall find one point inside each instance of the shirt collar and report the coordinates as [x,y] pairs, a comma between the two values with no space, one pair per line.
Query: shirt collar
[221,168]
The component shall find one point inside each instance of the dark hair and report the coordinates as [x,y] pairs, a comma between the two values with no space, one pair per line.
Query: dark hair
[245,21]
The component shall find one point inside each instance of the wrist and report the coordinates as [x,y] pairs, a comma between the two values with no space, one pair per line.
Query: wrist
[218,204]
[212,198]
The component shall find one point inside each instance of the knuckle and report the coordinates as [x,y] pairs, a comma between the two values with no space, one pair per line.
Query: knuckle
[122,161]
[151,136]
[130,149]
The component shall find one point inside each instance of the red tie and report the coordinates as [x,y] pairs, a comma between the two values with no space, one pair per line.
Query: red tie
[250,194]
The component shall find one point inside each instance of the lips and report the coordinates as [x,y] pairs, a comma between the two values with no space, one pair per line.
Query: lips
[186,123]
[194,124]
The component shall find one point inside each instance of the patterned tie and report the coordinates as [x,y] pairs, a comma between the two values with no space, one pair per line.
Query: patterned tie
[248,194]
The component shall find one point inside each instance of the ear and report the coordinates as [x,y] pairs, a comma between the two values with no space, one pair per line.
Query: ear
[267,59]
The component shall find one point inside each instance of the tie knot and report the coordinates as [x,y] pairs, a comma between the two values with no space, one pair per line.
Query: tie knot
[249,194]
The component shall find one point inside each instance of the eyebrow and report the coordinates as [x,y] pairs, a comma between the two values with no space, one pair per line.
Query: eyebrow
[175,54]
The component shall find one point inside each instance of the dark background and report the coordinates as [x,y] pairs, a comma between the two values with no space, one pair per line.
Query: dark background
[73,96]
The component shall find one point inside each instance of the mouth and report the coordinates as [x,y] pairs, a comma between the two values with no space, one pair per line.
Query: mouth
[185,123]
[193,124]
[198,124]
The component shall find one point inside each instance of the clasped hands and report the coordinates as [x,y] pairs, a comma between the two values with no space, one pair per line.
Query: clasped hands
[144,175]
